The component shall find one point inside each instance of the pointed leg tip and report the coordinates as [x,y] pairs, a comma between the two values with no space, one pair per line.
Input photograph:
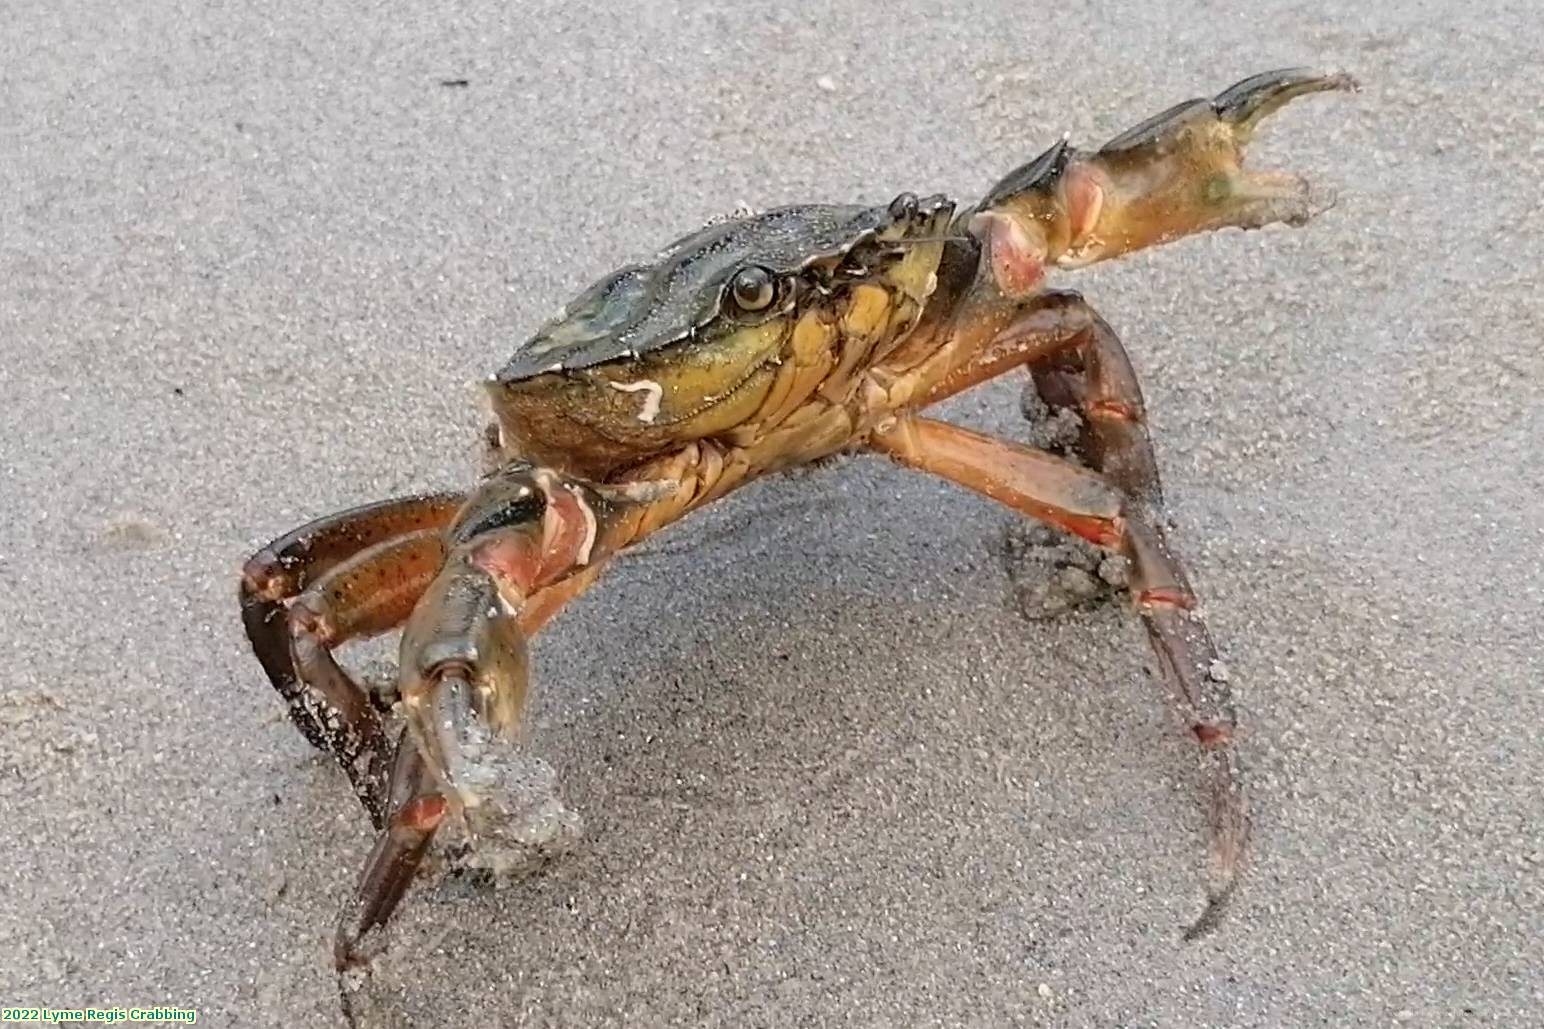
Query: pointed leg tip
[1322,81]
[1319,199]
[351,983]
[1299,207]
[1230,830]
[1219,898]
[346,958]
[1210,917]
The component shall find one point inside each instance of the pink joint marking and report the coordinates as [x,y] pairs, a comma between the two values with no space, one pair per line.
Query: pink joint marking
[1099,531]
[1018,262]
[1112,409]
[569,533]
[1211,735]
[423,814]
[1085,200]
[1164,597]
[510,561]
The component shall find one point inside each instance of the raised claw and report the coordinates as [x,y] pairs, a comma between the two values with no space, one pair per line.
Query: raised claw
[463,677]
[1178,173]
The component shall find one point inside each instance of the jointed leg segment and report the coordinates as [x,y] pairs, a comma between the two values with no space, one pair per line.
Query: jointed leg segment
[1077,361]
[1082,502]
[350,575]
[470,578]
[405,836]
[1117,504]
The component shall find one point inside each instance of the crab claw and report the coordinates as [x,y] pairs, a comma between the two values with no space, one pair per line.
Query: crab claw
[463,670]
[464,677]
[1176,174]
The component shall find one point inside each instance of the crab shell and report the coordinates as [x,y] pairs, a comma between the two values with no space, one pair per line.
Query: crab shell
[658,355]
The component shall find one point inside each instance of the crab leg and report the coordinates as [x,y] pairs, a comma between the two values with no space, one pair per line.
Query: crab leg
[369,594]
[1087,504]
[527,541]
[349,575]
[463,672]
[414,814]
[545,604]
[1058,335]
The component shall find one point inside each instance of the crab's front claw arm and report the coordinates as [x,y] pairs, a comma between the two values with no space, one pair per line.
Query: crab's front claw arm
[463,675]
[1178,173]
[462,686]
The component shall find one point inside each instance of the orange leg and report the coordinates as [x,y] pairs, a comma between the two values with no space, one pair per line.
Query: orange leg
[1078,361]
[1089,505]
[416,810]
[347,576]
[451,569]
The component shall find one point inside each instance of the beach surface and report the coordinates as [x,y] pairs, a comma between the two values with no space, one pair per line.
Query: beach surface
[254,261]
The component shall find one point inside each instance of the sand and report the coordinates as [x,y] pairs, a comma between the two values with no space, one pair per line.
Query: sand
[253,262]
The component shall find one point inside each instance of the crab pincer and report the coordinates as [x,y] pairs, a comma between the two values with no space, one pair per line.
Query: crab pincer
[1178,173]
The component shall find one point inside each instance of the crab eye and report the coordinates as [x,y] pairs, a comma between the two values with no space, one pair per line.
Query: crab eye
[752,288]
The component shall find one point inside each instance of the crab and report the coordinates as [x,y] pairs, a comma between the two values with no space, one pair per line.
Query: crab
[756,344]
